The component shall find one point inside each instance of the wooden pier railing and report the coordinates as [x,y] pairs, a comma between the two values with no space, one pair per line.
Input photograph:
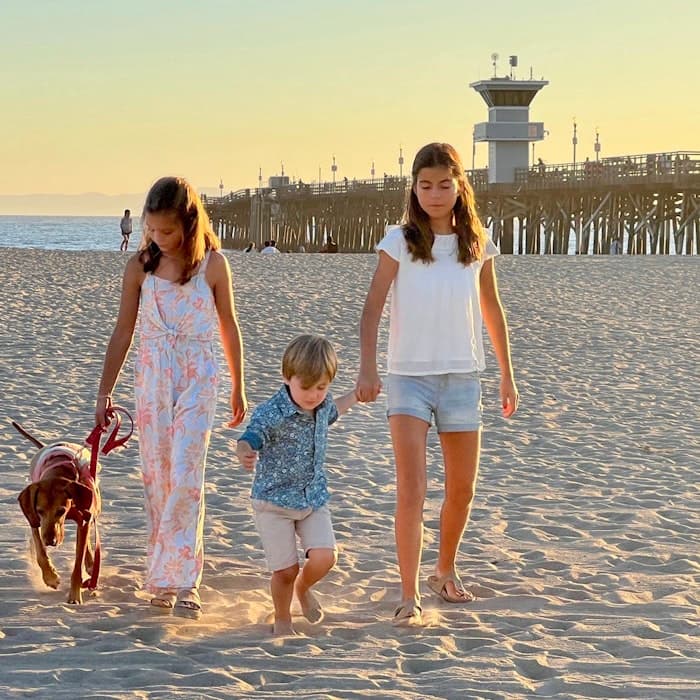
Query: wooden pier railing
[649,203]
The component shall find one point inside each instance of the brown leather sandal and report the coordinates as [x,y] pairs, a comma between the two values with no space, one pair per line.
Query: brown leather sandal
[438,585]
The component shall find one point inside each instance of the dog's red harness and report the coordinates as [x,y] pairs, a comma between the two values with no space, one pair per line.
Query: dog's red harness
[93,442]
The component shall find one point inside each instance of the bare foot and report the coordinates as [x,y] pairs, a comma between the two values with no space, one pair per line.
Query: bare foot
[283,628]
[310,607]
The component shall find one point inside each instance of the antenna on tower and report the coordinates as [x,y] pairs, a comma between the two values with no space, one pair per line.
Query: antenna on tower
[513,62]
[494,60]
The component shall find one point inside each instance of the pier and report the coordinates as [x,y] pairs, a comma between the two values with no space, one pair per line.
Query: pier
[649,202]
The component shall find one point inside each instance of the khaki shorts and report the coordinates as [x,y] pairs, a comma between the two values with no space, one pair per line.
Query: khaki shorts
[279,528]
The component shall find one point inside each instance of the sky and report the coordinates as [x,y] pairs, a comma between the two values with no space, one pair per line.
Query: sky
[108,96]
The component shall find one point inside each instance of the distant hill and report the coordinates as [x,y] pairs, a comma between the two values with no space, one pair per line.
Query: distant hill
[87,204]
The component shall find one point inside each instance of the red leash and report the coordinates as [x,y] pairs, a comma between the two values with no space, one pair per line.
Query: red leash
[113,442]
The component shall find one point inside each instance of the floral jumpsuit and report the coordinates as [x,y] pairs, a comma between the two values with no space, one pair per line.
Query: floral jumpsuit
[176,379]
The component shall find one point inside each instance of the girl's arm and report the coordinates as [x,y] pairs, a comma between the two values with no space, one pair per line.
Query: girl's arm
[122,336]
[495,322]
[368,384]
[219,278]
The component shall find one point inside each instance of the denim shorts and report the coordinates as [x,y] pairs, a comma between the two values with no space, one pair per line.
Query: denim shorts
[454,400]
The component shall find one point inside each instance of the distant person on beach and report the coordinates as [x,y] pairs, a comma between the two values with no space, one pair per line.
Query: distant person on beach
[615,247]
[126,229]
[289,433]
[330,246]
[435,358]
[182,284]
[250,248]
[270,248]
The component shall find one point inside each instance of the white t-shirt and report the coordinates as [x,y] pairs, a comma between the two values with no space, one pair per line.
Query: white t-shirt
[435,326]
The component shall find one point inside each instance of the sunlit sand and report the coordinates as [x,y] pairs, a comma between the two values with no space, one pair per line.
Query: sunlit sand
[583,544]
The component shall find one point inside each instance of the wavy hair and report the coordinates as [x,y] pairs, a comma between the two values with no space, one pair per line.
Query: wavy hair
[471,237]
[176,195]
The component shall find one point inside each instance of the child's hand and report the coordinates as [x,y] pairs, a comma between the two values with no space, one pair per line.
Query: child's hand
[247,456]
[102,406]
[239,407]
[510,398]
[368,385]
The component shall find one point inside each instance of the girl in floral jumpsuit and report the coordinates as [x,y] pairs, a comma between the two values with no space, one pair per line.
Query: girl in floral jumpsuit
[182,284]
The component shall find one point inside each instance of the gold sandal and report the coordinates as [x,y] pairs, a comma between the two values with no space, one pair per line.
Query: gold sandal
[408,614]
[188,604]
[164,601]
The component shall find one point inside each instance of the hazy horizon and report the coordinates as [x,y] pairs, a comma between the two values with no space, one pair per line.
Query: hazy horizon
[81,204]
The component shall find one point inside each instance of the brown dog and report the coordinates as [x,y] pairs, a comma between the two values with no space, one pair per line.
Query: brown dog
[61,489]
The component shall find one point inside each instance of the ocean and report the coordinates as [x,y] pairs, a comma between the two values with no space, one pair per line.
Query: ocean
[65,232]
[87,233]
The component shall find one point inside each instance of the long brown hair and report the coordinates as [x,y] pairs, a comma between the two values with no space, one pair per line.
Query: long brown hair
[471,237]
[176,195]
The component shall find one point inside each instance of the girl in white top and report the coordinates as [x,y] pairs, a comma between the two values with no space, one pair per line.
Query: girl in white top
[440,267]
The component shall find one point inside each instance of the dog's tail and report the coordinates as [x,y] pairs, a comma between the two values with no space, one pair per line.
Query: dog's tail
[29,437]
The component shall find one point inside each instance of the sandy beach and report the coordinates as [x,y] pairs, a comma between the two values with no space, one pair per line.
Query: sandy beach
[583,542]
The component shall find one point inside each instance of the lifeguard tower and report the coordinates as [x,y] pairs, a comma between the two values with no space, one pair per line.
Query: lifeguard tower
[509,130]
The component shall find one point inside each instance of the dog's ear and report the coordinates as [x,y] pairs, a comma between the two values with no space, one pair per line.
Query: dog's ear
[27,499]
[81,496]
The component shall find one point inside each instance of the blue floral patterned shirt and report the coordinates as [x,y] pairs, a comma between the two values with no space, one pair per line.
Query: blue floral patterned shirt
[292,449]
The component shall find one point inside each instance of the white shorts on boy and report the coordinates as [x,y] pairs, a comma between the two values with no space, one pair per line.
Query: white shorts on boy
[280,527]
